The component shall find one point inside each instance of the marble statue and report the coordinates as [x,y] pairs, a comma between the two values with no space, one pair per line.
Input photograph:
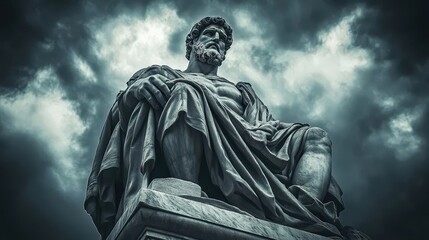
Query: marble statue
[197,126]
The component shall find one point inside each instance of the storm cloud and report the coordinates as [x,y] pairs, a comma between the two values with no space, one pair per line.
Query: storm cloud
[359,70]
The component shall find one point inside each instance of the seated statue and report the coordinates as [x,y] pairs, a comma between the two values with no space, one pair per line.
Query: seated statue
[197,126]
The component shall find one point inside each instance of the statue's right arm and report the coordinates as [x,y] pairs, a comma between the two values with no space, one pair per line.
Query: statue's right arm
[148,86]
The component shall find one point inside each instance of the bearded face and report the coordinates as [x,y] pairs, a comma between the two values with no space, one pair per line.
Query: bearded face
[209,47]
[208,53]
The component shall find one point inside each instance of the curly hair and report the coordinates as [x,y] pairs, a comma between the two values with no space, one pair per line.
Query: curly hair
[199,27]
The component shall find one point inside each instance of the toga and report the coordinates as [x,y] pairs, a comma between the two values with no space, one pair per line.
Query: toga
[249,158]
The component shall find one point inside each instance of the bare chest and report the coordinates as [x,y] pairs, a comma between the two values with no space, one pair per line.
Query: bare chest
[226,92]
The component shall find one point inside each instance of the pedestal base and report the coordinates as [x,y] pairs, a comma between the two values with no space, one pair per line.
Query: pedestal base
[157,215]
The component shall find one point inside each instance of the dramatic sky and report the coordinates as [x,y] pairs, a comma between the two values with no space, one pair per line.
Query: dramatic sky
[359,70]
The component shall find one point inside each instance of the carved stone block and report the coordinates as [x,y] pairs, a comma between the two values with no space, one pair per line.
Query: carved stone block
[157,215]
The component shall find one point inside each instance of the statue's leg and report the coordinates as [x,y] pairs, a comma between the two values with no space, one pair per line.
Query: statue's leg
[183,151]
[313,170]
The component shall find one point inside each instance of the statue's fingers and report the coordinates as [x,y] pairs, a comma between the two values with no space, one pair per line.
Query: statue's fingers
[162,78]
[157,94]
[149,98]
[160,84]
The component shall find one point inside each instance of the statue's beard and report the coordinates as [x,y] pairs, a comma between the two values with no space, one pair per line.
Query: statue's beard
[207,55]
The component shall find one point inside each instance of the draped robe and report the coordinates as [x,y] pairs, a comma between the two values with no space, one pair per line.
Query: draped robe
[250,158]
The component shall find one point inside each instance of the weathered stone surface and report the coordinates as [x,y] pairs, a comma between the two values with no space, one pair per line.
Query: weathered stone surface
[157,215]
[175,186]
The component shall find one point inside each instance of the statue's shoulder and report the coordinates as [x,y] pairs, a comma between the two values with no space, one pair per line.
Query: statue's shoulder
[153,70]
[248,93]
[245,86]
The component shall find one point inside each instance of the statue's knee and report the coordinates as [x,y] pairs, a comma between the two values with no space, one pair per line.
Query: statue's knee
[318,138]
[317,134]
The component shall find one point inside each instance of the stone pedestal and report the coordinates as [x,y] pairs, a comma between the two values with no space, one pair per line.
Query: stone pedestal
[159,215]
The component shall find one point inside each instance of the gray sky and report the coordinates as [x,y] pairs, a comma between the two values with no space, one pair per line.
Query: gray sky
[360,71]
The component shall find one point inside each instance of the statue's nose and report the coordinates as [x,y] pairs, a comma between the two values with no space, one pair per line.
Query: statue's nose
[216,37]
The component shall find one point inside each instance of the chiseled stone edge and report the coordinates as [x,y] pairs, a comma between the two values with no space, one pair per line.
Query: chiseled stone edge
[210,214]
[214,215]
[123,220]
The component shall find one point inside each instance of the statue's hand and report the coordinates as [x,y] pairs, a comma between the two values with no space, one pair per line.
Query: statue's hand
[152,89]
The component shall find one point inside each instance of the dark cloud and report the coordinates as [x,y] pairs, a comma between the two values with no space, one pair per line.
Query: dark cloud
[394,197]
[28,29]
[385,196]
[290,24]
[32,205]
[385,190]
[295,24]
[35,35]
[396,31]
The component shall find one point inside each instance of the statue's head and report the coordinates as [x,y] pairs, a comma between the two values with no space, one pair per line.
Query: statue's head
[209,39]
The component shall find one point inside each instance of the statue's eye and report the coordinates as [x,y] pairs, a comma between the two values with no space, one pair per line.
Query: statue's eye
[208,33]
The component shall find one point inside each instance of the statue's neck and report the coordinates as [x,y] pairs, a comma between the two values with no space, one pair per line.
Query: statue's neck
[196,66]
